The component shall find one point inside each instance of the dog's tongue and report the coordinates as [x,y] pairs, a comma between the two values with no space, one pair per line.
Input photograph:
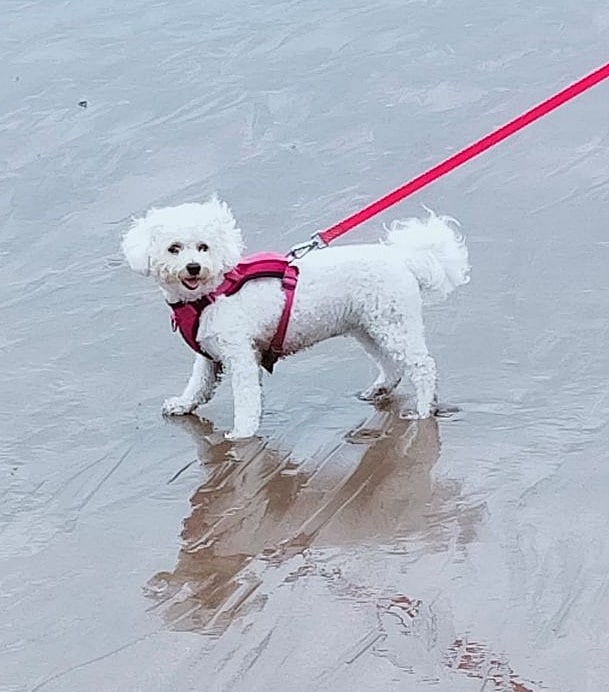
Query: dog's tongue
[191,282]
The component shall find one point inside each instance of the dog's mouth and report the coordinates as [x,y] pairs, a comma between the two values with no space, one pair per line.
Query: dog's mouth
[191,282]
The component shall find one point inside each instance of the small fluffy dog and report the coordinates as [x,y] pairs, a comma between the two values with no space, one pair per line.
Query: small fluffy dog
[371,292]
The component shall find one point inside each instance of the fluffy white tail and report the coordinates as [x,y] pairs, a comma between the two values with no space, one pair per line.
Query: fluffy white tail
[434,251]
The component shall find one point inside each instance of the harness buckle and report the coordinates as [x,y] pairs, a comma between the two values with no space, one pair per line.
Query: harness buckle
[233,275]
[289,280]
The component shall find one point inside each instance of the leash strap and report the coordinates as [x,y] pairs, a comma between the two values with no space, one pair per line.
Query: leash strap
[325,237]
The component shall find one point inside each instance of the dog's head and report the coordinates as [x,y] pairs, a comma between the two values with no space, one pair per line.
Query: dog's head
[187,248]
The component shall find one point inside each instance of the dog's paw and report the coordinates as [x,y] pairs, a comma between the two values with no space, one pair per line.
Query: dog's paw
[178,406]
[409,414]
[374,393]
[416,414]
[236,434]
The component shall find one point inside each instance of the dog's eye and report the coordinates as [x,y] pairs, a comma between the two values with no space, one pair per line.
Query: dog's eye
[202,247]
[174,249]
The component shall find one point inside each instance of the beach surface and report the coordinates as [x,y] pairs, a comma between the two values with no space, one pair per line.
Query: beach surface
[345,549]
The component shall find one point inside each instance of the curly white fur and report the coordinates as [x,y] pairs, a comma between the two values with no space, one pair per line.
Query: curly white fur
[371,292]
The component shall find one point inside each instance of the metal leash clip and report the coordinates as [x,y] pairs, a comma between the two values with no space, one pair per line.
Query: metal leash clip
[301,249]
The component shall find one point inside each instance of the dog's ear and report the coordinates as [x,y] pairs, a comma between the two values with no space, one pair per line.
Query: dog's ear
[223,214]
[230,233]
[136,245]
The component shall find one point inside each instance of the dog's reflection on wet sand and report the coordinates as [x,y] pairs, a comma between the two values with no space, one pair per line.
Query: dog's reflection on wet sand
[373,495]
[256,504]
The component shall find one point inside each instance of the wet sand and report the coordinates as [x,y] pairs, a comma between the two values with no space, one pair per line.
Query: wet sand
[346,548]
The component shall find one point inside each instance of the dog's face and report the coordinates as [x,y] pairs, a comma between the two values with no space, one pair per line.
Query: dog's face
[187,249]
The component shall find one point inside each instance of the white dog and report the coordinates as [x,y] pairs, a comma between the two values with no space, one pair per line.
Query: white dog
[371,292]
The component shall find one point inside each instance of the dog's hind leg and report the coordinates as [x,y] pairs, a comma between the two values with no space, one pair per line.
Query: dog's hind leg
[390,372]
[403,348]
[423,375]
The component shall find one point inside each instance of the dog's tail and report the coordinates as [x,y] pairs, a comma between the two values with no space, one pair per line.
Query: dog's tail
[434,251]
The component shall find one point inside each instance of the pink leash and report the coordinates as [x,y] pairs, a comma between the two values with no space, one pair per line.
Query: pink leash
[323,238]
[186,316]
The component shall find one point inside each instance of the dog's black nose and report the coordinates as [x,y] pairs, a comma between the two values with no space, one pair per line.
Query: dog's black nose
[193,268]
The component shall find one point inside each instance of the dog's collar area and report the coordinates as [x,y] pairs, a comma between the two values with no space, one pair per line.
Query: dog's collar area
[186,315]
[200,304]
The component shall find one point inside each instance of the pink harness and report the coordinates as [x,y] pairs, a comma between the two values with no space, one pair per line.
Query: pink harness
[186,316]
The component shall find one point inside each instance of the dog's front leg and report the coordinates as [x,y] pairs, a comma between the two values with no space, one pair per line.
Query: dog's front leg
[199,390]
[247,392]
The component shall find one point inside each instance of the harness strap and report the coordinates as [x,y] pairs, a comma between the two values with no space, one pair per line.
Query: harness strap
[288,284]
[186,316]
